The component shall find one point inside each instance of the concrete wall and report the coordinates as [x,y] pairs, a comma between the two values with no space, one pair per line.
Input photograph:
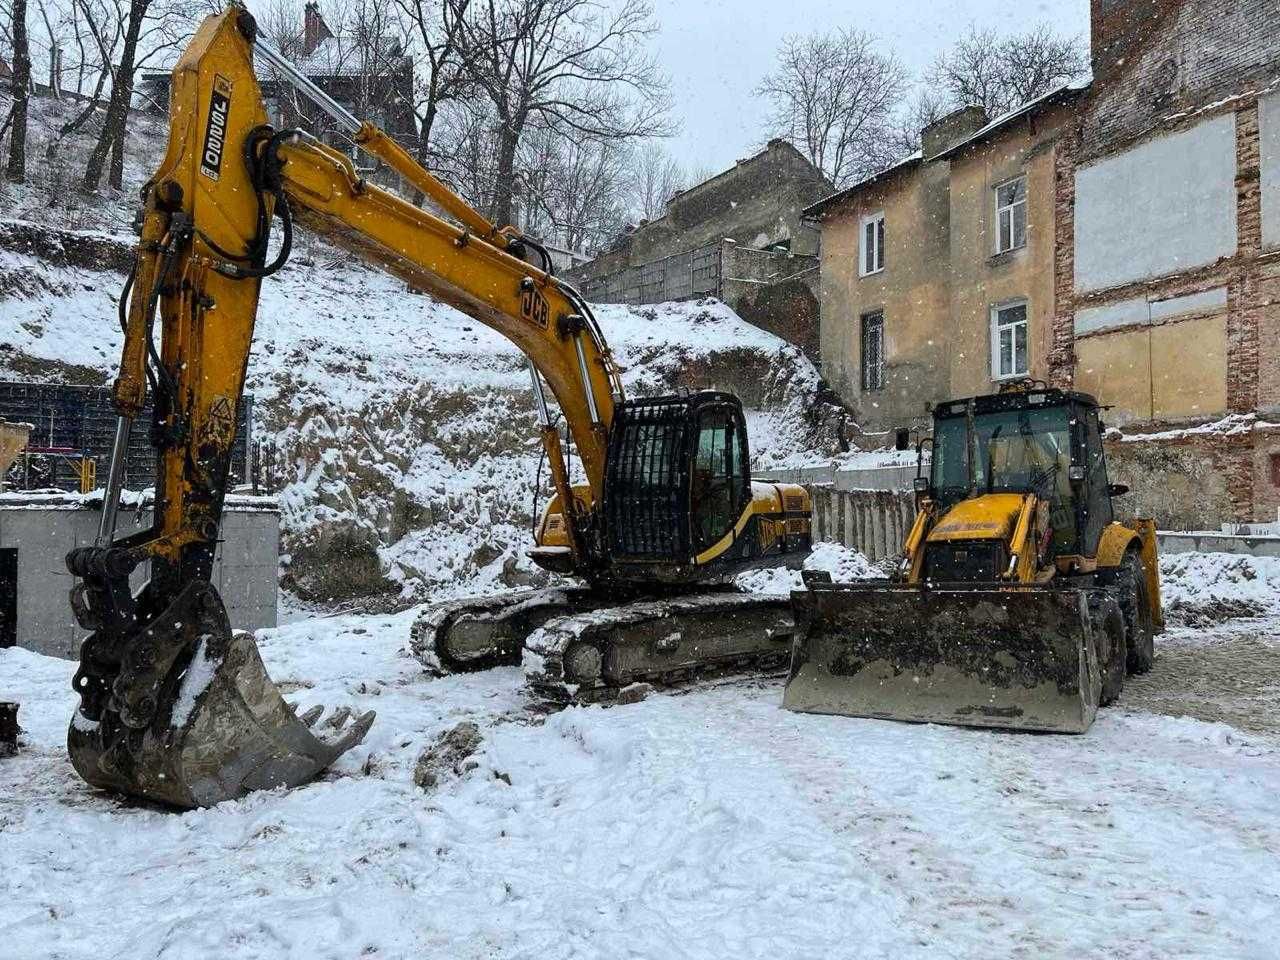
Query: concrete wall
[43,529]
[873,522]
[1167,205]
[755,203]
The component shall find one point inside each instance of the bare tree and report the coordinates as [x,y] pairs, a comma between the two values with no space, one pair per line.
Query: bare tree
[571,188]
[574,66]
[904,136]
[437,25]
[654,177]
[150,28]
[20,88]
[1000,73]
[833,95]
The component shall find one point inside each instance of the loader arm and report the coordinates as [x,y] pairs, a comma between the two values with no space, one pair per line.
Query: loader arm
[172,706]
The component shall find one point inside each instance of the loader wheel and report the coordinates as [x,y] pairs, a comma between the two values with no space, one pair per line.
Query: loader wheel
[1108,633]
[1135,604]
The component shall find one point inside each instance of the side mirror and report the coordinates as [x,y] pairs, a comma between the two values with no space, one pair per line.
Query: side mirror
[922,484]
[1117,489]
[1075,474]
[902,439]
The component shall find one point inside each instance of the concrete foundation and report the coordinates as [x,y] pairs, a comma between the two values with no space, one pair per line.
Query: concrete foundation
[37,530]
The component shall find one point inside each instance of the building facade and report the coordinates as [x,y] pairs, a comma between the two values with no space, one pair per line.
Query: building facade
[1121,238]
[937,274]
[1168,254]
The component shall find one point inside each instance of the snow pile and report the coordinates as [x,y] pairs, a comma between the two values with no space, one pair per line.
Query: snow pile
[1201,588]
[703,825]
[843,563]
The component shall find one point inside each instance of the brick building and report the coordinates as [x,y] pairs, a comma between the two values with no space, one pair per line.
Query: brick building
[1147,271]
[1167,268]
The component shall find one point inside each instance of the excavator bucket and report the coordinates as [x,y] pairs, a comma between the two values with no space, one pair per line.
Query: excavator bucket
[213,730]
[1010,657]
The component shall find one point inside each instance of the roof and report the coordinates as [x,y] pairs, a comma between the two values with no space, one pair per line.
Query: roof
[821,207]
[1059,94]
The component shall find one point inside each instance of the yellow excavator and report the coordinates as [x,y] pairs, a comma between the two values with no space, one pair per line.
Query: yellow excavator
[176,708]
[1021,602]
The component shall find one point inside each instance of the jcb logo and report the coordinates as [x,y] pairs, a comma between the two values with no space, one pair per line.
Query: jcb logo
[215,131]
[534,306]
[771,531]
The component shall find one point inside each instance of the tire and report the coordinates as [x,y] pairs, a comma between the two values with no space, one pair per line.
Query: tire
[1107,623]
[1130,587]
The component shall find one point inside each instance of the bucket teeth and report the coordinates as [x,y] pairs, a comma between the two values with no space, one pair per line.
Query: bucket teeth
[311,715]
[220,727]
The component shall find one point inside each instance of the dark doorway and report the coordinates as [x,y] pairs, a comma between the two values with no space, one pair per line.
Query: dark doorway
[8,597]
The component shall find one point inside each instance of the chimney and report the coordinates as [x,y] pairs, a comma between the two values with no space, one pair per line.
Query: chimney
[314,29]
[1117,29]
[949,130]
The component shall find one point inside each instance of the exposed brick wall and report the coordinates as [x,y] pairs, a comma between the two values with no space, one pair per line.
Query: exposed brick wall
[1244,294]
[1202,52]
[1062,358]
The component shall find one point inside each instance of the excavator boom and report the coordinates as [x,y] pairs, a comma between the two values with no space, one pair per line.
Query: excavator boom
[174,707]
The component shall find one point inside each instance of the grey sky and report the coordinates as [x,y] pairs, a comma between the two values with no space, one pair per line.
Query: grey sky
[715,52]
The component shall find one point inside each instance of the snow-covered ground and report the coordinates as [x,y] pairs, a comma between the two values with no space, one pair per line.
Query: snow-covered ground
[706,824]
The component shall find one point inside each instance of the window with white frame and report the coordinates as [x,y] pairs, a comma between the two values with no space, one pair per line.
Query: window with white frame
[1011,215]
[1009,341]
[873,351]
[872,244]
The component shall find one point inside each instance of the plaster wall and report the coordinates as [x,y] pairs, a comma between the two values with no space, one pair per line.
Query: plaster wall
[912,291]
[983,278]
[1269,144]
[1165,206]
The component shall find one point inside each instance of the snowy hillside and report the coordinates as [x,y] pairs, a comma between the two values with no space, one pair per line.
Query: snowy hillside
[403,430]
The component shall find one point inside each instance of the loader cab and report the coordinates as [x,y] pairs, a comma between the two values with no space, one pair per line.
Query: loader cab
[678,476]
[1043,441]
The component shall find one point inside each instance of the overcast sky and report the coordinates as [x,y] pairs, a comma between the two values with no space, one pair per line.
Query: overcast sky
[716,51]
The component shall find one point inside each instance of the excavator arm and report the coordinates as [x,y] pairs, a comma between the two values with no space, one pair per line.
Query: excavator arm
[173,706]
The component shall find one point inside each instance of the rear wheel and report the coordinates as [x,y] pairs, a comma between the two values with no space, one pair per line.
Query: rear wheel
[1107,622]
[1135,604]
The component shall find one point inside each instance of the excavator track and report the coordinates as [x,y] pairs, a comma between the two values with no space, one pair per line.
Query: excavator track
[479,633]
[592,657]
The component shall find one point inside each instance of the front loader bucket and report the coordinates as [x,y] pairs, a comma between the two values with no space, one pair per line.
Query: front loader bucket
[213,730]
[1013,657]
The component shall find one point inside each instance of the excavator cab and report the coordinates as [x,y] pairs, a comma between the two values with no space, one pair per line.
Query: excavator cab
[678,477]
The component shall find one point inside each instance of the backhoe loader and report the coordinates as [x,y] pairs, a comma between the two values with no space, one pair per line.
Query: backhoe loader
[1020,601]
[176,708]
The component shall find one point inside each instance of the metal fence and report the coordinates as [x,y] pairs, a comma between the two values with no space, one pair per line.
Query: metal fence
[72,425]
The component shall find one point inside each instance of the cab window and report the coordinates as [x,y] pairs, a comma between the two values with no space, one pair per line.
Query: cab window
[718,481]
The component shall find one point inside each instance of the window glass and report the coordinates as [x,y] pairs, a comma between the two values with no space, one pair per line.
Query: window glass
[1011,215]
[873,244]
[1009,341]
[712,485]
[873,351]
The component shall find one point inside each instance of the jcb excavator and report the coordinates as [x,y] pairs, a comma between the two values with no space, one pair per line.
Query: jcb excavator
[173,706]
[1020,602]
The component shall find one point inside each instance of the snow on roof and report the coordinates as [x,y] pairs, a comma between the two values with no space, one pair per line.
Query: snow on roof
[1063,91]
[343,56]
[816,209]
